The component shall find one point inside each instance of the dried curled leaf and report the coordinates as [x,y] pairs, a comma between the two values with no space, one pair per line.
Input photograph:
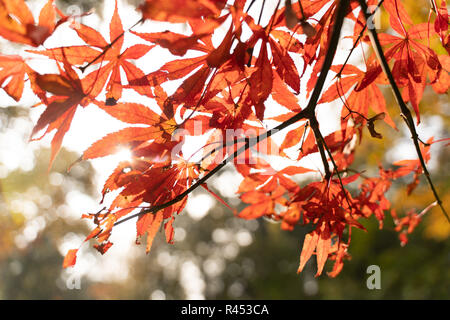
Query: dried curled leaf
[371,125]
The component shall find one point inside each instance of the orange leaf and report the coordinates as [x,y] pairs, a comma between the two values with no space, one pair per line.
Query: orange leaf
[17,22]
[61,108]
[102,248]
[169,230]
[261,81]
[222,53]
[153,229]
[309,244]
[111,143]
[70,259]
[293,137]
[285,66]
[12,67]
[133,113]
[73,54]
[257,210]
[282,95]
[180,10]
[178,44]
[143,223]
[323,247]
[291,170]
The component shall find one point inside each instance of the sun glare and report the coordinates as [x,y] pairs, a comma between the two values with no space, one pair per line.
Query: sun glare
[123,155]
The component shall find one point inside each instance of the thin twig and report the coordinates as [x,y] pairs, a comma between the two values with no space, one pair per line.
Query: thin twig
[109,46]
[358,39]
[261,12]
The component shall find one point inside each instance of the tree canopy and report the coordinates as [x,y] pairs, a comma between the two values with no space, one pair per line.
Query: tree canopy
[241,73]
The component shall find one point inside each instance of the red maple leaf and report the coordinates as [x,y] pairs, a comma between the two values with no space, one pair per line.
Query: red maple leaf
[414,61]
[110,57]
[68,92]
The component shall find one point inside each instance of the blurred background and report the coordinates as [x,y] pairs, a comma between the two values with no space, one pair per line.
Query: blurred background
[215,255]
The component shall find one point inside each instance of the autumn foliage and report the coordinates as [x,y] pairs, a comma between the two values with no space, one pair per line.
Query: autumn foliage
[237,83]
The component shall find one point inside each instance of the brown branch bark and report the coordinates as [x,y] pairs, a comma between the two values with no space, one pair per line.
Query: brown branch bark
[321,146]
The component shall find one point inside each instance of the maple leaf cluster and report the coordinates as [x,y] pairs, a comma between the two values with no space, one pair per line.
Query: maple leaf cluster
[254,68]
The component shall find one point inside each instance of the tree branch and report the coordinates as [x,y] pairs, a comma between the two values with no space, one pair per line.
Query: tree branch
[320,145]
[324,144]
[406,113]
[308,112]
